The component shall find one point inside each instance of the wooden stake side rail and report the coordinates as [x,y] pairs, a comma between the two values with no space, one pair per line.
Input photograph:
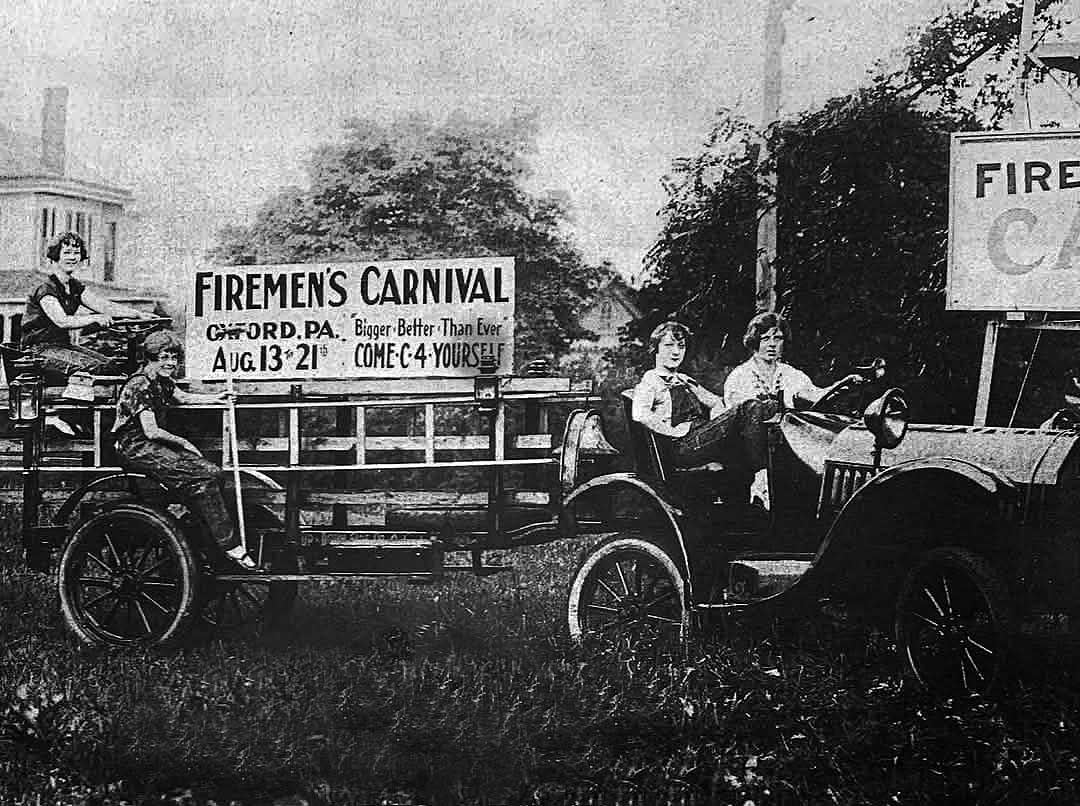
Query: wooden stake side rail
[360,500]
[325,508]
[345,435]
[399,388]
[68,455]
[74,469]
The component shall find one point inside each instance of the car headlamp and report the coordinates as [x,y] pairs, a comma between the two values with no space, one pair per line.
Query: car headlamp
[887,419]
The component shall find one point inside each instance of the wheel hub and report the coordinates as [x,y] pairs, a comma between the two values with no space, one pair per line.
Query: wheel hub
[633,609]
[127,583]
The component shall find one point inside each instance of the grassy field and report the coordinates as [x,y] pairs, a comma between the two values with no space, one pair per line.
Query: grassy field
[467,691]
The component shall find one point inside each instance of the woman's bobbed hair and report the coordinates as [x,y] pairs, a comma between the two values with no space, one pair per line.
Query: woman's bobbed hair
[762,324]
[66,239]
[161,341]
[680,332]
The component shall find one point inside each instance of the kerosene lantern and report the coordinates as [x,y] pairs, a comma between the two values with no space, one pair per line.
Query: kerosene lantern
[25,392]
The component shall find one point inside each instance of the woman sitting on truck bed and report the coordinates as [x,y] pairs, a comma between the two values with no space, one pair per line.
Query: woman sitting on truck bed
[144,446]
[698,426]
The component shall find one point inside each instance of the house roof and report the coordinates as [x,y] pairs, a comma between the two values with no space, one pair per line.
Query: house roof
[616,289]
[16,285]
[19,155]
[21,164]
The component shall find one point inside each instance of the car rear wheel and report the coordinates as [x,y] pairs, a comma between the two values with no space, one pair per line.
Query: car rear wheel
[954,623]
[629,590]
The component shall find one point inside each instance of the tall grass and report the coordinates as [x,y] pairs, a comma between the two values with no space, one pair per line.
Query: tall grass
[467,691]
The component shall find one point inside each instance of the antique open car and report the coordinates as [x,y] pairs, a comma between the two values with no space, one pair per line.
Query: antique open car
[954,534]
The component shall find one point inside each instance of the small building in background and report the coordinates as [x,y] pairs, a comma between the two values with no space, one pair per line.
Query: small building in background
[613,308]
[42,194]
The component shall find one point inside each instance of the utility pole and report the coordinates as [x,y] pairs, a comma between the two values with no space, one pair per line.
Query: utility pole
[1027,23]
[1020,123]
[770,112]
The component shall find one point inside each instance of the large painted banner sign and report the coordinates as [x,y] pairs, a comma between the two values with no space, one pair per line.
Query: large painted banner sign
[392,319]
[1014,221]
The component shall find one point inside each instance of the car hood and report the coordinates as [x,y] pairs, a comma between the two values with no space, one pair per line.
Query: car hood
[810,436]
[1023,455]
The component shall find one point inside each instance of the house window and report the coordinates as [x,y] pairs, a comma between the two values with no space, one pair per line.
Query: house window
[110,251]
[606,315]
[52,229]
[67,228]
[89,231]
[80,224]
[45,218]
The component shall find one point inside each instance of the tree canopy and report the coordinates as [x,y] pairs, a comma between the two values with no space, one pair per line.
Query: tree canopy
[418,189]
[862,201]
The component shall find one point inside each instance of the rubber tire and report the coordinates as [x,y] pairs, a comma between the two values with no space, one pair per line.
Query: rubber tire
[615,549]
[144,522]
[977,575]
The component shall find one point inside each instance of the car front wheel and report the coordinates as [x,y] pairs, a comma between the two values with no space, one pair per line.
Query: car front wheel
[629,590]
[954,623]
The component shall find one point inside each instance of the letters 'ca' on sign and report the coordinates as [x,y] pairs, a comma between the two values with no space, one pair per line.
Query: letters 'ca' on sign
[1014,221]
[389,319]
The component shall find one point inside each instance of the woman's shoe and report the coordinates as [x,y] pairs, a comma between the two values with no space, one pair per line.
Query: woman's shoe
[61,425]
[240,556]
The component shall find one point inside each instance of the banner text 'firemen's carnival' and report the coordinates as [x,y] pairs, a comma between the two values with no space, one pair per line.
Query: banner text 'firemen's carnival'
[393,319]
[1014,221]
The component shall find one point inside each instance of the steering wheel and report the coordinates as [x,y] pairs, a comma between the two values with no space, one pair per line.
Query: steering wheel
[866,373]
[130,333]
[136,328]
[819,404]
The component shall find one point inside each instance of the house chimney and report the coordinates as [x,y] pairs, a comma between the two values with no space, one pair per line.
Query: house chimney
[54,130]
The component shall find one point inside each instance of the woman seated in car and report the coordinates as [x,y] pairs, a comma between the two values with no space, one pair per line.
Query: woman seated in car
[699,427]
[765,377]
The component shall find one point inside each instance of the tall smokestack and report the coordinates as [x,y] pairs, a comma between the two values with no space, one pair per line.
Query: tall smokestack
[54,130]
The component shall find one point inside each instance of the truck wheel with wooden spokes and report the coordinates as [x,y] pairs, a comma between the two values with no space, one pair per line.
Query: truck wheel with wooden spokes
[128,577]
[954,623]
[630,591]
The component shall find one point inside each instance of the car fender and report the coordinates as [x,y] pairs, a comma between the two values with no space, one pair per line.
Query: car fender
[840,550]
[68,507]
[262,481]
[657,495]
[989,479]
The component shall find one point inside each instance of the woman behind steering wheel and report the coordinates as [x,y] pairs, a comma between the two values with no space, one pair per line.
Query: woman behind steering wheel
[53,312]
[765,377]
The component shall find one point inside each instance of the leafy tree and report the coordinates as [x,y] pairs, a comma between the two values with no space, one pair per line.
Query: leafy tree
[862,197]
[416,189]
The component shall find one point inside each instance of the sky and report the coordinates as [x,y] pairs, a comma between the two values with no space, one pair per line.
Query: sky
[204,108]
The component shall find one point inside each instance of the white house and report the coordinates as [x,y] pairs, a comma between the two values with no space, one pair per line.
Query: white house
[41,197]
